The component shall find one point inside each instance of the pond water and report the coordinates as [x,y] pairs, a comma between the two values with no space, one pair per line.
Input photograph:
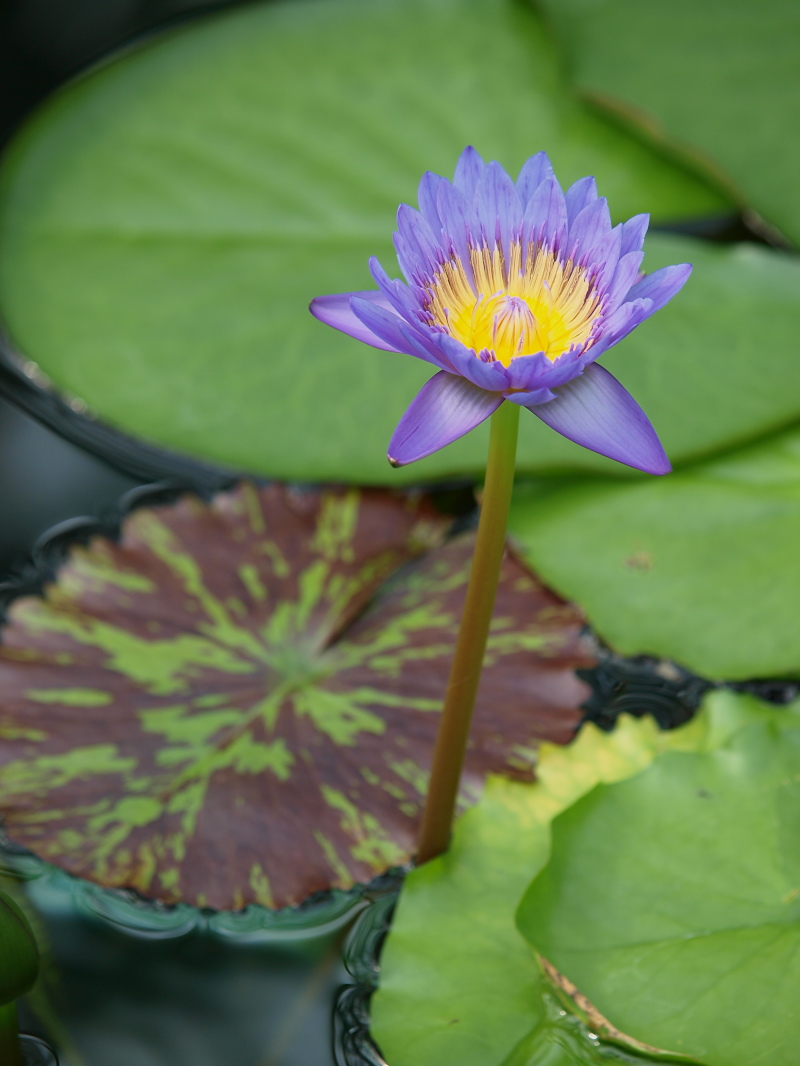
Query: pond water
[131,985]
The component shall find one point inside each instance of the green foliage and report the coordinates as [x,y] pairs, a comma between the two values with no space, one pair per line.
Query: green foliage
[165,221]
[458,984]
[672,900]
[701,567]
[717,78]
[19,954]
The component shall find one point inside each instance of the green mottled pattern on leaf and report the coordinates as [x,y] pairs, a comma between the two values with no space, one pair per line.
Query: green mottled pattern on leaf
[230,705]
[672,900]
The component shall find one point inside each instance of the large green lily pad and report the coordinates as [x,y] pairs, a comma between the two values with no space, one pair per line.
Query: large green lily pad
[165,221]
[230,706]
[672,900]
[718,79]
[458,983]
[700,567]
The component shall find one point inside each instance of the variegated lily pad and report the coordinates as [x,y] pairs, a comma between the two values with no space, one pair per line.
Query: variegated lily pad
[230,706]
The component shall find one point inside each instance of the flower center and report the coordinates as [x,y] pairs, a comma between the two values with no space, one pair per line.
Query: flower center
[533,303]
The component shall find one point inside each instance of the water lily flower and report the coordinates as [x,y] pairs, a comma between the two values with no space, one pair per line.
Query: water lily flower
[513,291]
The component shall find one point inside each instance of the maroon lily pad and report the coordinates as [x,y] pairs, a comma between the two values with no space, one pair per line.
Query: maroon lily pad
[233,705]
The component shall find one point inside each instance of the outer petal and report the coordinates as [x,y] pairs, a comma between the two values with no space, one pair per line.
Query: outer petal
[661,285]
[626,275]
[633,233]
[418,238]
[387,326]
[533,173]
[480,369]
[606,258]
[580,195]
[428,192]
[469,169]
[596,412]
[444,410]
[397,294]
[498,208]
[590,227]
[459,222]
[336,311]
[617,325]
[546,216]
[531,397]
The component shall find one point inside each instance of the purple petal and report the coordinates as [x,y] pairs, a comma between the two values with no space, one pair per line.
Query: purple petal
[409,259]
[633,233]
[605,259]
[580,195]
[428,192]
[383,323]
[425,343]
[621,322]
[625,276]
[418,238]
[546,216]
[498,208]
[397,294]
[336,311]
[591,226]
[531,397]
[595,411]
[489,374]
[661,285]
[531,372]
[537,169]
[469,169]
[459,222]
[444,410]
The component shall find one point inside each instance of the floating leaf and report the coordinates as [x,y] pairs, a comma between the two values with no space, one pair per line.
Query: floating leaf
[700,567]
[717,78]
[206,712]
[458,984]
[673,900]
[162,231]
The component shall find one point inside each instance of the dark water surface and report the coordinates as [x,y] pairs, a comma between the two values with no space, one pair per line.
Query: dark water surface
[202,990]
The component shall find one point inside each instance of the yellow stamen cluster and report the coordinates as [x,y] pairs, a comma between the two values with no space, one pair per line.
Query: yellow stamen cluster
[532,303]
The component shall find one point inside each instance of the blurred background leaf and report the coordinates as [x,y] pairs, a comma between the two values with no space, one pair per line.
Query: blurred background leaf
[717,79]
[700,567]
[163,228]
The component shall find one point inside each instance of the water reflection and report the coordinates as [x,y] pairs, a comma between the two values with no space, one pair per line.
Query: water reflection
[199,989]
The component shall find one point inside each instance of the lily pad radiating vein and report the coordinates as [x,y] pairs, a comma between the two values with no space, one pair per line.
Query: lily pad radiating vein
[206,712]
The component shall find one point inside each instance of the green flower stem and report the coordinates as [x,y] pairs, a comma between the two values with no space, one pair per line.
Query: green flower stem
[465,673]
[10,1052]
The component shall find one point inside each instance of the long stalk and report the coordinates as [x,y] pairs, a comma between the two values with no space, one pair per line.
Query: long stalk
[465,673]
[10,1052]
